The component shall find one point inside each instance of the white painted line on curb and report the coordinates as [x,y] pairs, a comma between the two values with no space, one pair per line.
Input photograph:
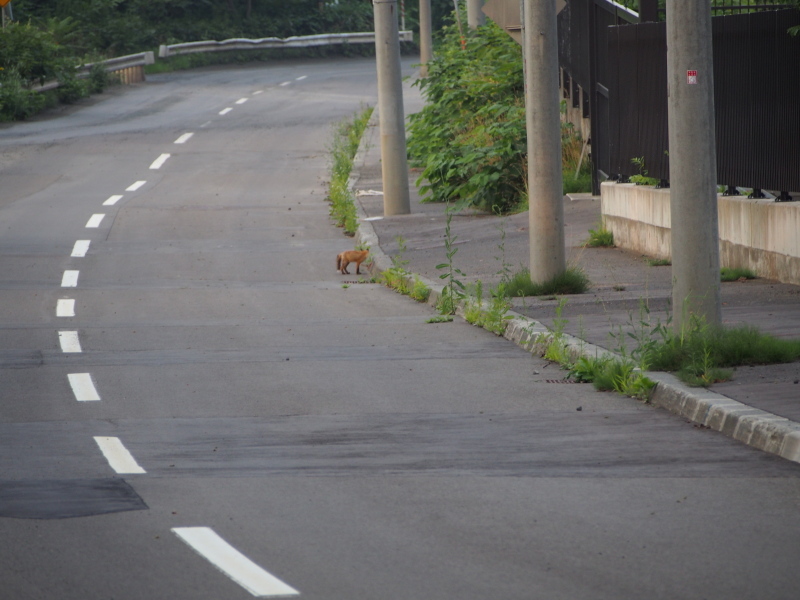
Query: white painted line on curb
[112,200]
[285,83]
[242,100]
[301,78]
[184,138]
[83,387]
[159,162]
[135,186]
[65,307]
[233,563]
[95,220]
[80,248]
[70,279]
[225,111]
[69,341]
[118,456]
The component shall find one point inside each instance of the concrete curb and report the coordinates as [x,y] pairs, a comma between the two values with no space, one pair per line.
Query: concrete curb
[756,428]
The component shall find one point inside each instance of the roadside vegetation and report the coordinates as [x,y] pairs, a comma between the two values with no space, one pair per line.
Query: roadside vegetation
[49,39]
[343,147]
[700,355]
[470,139]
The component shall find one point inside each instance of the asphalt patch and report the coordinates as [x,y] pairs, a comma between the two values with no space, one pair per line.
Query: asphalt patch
[66,498]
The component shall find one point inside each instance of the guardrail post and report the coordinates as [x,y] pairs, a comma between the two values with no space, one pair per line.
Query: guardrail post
[394,163]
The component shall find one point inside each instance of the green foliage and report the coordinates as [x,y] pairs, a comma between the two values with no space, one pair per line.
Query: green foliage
[343,148]
[16,101]
[491,315]
[659,262]
[642,178]
[454,287]
[99,78]
[117,27]
[440,319]
[419,291]
[735,274]
[572,281]
[31,54]
[600,238]
[470,139]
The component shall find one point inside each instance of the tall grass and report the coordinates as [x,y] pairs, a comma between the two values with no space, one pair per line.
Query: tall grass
[344,145]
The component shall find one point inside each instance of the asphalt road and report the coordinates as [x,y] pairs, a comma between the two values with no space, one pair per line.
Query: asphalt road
[204,391]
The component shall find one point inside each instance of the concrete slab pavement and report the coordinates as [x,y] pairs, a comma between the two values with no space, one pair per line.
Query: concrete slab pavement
[760,406]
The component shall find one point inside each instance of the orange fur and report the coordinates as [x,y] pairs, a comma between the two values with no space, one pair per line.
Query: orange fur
[345,258]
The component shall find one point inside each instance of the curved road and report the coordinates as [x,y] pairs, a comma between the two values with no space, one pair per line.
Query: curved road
[187,389]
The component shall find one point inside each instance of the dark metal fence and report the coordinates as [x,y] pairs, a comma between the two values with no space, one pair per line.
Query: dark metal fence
[583,28]
[756,91]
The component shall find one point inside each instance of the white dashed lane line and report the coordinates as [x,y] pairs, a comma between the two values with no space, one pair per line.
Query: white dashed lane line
[159,162]
[184,138]
[285,83]
[70,342]
[83,387]
[135,186]
[95,220]
[118,456]
[225,111]
[70,278]
[301,78]
[233,563]
[242,100]
[65,307]
[80,248]
[257,92]
[112,200]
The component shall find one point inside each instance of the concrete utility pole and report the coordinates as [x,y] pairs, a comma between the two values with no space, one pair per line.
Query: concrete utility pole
[693,164]
[475,16]
[425,36]
[543,121]
[394,163]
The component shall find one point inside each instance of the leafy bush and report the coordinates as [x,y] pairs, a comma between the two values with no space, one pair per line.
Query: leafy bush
[470,138]
[16,101]
[30,53]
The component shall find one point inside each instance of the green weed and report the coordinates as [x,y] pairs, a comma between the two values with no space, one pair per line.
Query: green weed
[571,281]
[735,274]
[659,262]
[600,238]
[343,148]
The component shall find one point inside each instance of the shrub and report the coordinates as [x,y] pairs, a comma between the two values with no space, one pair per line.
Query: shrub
[16,101]
[470,138]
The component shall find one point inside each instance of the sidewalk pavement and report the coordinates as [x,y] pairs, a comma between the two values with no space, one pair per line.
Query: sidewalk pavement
[760,406]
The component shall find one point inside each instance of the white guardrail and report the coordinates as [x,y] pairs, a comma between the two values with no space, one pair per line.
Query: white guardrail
[301,41]
[111,65]
[121,63]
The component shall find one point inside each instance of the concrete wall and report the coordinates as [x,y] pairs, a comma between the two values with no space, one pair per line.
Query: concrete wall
[761,235]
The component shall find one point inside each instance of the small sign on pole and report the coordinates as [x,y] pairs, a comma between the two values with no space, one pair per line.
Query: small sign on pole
[691,77]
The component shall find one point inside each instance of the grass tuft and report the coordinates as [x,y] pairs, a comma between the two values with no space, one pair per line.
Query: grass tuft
[735,274]
[599,238]
[571,281]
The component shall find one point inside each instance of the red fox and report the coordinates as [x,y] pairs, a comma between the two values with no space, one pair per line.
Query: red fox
[345,258]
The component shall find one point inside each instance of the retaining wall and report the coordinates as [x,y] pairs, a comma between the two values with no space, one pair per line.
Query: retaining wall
[761,235]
